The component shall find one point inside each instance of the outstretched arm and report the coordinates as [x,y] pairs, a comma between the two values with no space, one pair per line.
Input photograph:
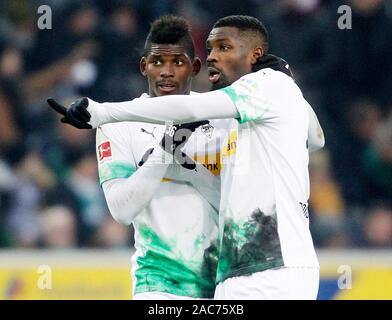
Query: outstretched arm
[175,108]
[87,114]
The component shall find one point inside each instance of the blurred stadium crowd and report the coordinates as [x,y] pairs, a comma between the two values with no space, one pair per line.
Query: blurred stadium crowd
[49,192]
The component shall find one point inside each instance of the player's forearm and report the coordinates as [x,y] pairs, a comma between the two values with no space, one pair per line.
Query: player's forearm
[174,108]
[126,198]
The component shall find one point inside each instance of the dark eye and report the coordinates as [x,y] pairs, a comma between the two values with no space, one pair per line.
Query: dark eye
[209,50]
[179,63]
[156,62]
[224,47]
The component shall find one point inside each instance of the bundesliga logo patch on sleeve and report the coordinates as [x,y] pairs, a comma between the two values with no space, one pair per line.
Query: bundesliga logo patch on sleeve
[104,151]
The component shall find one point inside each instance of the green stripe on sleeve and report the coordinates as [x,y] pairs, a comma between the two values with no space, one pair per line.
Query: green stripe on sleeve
[113,170]
[239,100]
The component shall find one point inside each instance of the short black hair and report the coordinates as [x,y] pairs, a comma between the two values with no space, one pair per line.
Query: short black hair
[247,24]
[171,29]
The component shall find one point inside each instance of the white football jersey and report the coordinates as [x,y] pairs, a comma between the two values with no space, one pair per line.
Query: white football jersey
[264,219]
[176,234]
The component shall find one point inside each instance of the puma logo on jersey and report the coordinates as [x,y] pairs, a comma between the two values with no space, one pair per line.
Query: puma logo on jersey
[151,133]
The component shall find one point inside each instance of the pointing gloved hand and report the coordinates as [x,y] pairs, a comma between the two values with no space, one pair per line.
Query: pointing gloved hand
[76,115]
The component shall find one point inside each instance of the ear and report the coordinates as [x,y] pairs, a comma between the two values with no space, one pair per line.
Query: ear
[257,53]
[143,66]
[196,66]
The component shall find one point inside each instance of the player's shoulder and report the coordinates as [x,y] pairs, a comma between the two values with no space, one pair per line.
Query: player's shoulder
[114,132]
[271,76]
[117,128]
[273,83]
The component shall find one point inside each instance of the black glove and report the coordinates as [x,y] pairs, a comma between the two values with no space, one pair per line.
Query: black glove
[76,115]
[273,62]
[176,135]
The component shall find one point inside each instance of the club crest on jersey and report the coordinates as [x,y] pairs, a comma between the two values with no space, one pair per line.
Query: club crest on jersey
[207,129]
[104,151]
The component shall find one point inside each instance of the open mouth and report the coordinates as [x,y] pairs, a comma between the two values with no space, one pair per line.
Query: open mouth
[213,74]
[167,86]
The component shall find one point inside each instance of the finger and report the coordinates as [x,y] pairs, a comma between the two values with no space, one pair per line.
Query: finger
[202,123]
[64,120]
[67,121]
[73,122]
[198,123]
[193,125]
[83,114]
[78,123]
[83,109]
[84,102]
[57,107]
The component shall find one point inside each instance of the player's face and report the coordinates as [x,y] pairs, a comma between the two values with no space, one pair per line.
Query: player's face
[169,70]
[229,56]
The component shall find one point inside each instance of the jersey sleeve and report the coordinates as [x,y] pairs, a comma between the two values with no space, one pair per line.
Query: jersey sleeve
[113,148]
[258,96]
